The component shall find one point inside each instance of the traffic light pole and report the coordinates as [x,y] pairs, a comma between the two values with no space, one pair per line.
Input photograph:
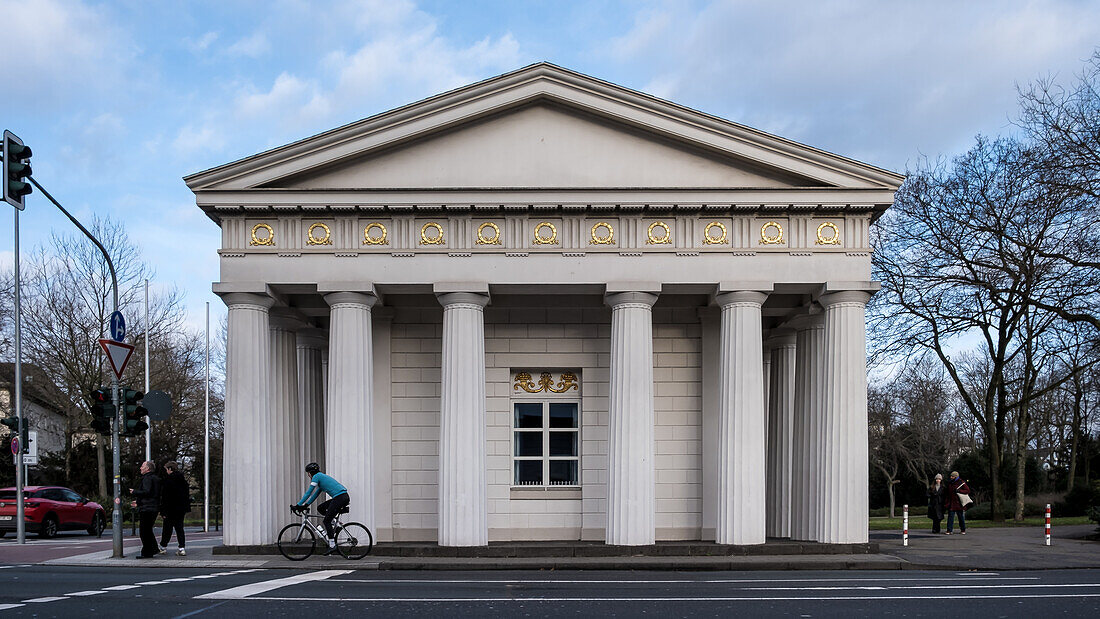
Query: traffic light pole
[116,512]
[20,521]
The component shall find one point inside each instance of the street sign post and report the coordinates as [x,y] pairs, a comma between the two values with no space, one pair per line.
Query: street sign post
[159,405]
[118,354]
[118,326]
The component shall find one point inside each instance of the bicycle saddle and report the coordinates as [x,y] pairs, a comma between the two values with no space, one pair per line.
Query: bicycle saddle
[343,510]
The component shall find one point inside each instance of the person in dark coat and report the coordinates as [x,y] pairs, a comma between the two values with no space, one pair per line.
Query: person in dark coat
[175,502]
[955,487]
[936,494]
[147,496]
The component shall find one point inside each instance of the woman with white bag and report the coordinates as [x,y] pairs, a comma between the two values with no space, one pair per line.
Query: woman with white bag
[958,499]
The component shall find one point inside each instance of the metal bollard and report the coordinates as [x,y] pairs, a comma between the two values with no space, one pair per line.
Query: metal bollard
[905,525]
[1048,524]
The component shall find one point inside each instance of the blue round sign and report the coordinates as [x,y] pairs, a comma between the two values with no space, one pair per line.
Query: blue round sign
[118,326]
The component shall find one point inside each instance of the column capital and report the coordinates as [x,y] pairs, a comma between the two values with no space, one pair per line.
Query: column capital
[754,297]
[615,299]
[245,299]
[356,298]
[286,319]
[312,337]
[845,296]
[783,337]
[480,299]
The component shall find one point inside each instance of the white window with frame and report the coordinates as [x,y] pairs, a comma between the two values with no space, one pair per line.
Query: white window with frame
[546,417]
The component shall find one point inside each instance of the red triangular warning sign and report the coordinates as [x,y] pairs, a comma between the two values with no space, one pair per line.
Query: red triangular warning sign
[118,354]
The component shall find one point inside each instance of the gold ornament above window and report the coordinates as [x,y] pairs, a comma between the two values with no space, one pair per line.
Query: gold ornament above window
[436,239]
[653,239]
[369,239]
[833,238]
[771,233]
[567,381]
[313,239]
[711,236]
[488,240]
[602,239]
[257,239]
[540,239]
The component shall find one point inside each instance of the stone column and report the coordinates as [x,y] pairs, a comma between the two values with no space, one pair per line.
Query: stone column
[311,395]
[808,441]
[463,490]
[767,359]
[741,440]
[247,482]
[631,483]
[844,418]
[780,438]
[349,420]
[286,435]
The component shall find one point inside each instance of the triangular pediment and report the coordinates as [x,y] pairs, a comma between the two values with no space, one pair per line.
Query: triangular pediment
[542,127]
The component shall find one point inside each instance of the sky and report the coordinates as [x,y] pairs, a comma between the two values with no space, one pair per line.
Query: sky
[120,100]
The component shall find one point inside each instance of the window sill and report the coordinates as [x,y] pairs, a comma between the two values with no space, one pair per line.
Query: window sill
[549,493]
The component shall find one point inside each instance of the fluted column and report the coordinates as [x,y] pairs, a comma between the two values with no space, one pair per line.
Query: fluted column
[780,437]
[767,379]
[844,415]
[349,419]
[285,434]
[311,396]
[247,482]
[808,440]
[741,439]
[463,490]
[631,489]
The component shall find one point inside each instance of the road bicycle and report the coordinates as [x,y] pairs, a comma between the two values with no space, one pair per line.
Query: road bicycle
[299,541]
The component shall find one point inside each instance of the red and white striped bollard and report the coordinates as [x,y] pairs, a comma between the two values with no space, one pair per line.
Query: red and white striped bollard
[1048,524]
[905,525]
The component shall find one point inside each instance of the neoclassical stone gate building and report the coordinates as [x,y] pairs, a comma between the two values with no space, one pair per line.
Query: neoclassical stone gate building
[546,307]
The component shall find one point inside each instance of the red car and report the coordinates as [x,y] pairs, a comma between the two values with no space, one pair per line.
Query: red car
[49,509]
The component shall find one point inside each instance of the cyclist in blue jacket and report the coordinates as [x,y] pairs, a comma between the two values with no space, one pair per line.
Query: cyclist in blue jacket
[318,483]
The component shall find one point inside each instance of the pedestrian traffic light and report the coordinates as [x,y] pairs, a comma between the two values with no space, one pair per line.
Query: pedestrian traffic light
[25,436]
[103,410]
[134,412]
[17,166]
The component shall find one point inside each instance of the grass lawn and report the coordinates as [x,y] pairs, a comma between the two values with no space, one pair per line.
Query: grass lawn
[922,522]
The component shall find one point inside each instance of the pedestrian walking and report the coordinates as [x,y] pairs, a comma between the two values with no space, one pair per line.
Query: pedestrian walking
[955,503]
[147,496]
[175,502]
[936,494]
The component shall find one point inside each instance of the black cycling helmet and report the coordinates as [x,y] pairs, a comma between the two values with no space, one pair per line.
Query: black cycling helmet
[313,468]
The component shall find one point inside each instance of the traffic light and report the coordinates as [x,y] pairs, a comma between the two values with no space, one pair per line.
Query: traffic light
[134,413]
[23,431]
[17,166]
[103,410]
[12,423]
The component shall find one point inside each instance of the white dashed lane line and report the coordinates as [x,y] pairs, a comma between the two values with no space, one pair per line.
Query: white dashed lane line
[45,599]
[85,593]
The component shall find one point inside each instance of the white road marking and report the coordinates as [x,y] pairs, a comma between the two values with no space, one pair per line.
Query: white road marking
[85,593]
[244,591]
[7,606]
[666,582]
[121,587]
[45,599]
[154,582]
[176,579]
[683,599]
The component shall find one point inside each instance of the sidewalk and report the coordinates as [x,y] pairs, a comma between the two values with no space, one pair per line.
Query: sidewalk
[1011,548]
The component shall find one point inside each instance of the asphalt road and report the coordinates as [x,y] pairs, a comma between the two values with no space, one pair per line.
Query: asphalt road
[70,543]
[31,590]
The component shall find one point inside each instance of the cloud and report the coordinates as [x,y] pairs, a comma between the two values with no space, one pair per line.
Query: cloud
[191,139]
[202,43]
[876,81]
[253,46]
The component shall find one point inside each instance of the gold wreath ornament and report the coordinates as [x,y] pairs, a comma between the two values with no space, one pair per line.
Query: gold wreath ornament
[609,239]
[658,240]
[708,239]
[268,240]
[431,240]
[488,240]
[543,240]
[771,239]
[831,240]
[374,240]
[324,240]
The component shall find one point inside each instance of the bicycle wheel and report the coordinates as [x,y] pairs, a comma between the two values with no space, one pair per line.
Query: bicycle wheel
[354,540]
[296,542]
